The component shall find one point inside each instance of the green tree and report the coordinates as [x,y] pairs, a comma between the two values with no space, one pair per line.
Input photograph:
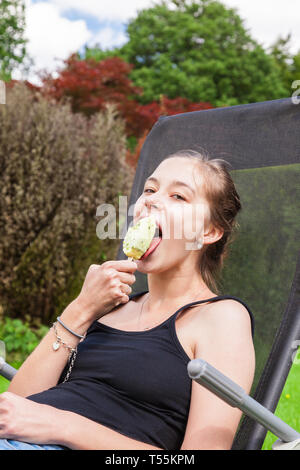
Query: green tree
[200,50]
[12,41]
[288,65]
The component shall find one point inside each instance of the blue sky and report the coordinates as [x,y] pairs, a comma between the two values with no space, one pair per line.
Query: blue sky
[94,23]
[56,28]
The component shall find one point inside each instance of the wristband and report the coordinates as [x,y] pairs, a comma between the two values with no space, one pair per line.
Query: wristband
[69,329]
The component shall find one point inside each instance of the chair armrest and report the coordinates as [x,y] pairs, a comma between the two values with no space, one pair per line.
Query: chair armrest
[212,379]
[279,445]
[6,370]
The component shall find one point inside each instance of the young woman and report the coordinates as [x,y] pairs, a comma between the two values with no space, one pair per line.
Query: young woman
[129,387]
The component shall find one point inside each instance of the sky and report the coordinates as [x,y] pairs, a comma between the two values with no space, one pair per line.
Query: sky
[57,28]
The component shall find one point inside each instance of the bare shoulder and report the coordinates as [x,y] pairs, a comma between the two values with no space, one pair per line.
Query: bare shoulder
[222,317]
[222,329]
[230,313]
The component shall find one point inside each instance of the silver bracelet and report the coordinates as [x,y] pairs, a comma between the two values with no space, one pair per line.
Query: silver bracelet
[69,329]
[72,354]
[59,341]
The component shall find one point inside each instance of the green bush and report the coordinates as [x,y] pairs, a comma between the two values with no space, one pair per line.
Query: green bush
[20,339]
[56,168]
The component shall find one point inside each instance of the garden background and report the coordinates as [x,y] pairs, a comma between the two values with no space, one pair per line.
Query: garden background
[73,143]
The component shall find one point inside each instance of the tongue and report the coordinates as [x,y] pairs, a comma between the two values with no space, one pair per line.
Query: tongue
[155,242]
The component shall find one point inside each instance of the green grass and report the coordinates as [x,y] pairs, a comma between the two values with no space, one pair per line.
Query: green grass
[288,408]
[5,383]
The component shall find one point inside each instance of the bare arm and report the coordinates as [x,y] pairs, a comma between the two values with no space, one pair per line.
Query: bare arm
[228,347]
[43,367]
[24,420]
[95,436]
[105,286]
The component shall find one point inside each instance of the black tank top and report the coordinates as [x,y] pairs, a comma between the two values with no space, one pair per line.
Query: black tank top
[134,382]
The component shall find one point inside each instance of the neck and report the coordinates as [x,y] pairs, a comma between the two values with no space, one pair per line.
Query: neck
[168,290]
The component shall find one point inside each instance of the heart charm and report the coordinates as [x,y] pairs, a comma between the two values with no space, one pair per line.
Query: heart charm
[55,346]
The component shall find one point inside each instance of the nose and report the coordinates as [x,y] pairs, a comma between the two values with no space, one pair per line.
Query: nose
[146,206]
[151,201]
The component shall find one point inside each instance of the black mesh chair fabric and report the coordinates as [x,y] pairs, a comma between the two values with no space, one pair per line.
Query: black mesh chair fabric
[261,141]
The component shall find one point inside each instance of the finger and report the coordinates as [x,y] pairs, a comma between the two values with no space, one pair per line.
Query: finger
[94,266]
[124,266]
[125,289]
[124,292]
[124,297]
[121,290]
[126,278]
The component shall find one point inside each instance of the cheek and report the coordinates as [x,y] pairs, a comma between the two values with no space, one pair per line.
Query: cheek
[139,207]
[187,222]
[172,223]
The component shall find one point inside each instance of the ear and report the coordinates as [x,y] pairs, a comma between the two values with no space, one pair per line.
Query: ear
[212,235]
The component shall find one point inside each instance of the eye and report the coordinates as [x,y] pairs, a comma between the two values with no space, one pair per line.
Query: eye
[183,199]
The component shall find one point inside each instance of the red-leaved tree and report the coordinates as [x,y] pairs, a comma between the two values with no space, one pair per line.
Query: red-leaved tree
[151,112]
[90,85]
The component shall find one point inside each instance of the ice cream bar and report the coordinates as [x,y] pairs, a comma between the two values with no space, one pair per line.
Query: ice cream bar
[138,237]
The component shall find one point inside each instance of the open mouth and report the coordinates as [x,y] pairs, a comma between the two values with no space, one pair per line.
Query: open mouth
[158,232]
[154,243]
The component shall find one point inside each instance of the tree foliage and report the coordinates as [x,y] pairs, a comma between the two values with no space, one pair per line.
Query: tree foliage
[56,168]
[151,112]
[287,63]
[12,42]
[90,85]
[199,50]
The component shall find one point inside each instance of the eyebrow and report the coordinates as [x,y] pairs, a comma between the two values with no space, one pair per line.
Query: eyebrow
[174,182]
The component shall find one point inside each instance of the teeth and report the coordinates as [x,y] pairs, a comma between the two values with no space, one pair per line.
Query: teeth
[156,232]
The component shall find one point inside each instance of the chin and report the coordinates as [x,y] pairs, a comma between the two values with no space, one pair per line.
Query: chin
[145,267]
[149,266]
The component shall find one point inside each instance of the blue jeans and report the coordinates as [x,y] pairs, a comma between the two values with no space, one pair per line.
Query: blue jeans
[7,444]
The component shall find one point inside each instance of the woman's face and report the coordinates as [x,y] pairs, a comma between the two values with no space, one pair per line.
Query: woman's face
[173,194]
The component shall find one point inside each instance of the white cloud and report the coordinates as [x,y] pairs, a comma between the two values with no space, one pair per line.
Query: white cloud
[103,10]
[268,19]
[108,37]
[51,37]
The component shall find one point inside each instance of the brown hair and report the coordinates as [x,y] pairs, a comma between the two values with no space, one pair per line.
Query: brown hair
[224,204]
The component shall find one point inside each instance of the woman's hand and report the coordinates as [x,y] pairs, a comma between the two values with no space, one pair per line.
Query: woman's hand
[106,286]
[24,420]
